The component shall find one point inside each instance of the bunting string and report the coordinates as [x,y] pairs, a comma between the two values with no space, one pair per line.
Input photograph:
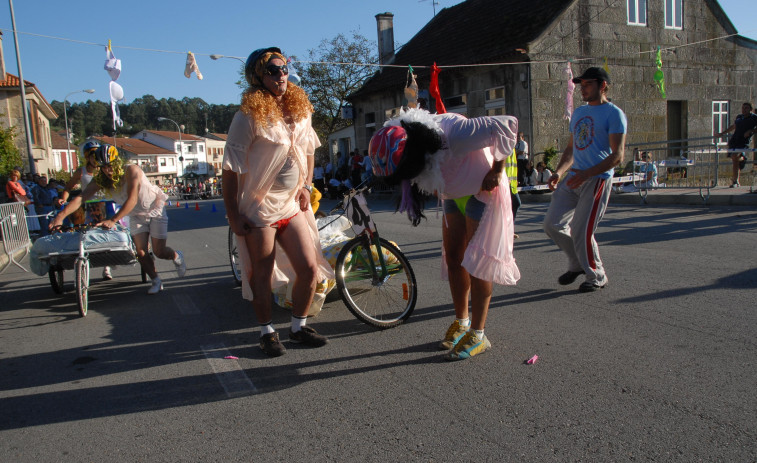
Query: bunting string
[403,66]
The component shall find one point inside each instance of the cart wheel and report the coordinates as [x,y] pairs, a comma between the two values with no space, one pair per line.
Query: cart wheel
[82,285]
[56,279]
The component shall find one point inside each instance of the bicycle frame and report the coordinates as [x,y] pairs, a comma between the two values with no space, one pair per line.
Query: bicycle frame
[355,208]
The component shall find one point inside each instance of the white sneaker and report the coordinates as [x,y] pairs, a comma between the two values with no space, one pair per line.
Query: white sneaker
[106,273]
[157,286]
[181,266]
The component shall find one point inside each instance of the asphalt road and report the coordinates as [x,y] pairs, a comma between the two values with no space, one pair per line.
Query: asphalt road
[659,366]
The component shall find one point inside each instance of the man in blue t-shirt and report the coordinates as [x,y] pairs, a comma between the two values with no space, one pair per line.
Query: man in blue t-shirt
[596,145]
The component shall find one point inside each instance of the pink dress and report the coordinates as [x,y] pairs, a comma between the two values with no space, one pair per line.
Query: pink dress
[258,154]
[469,146]
[150,200]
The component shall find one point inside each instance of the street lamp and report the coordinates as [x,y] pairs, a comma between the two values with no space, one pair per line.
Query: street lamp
[181,146]
[65,119]
[215,57]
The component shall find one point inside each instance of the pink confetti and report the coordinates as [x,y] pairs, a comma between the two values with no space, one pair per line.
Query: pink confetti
[532,360]
[231,357]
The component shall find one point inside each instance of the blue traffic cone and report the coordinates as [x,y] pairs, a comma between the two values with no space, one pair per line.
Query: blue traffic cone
[186,205]
[213,209]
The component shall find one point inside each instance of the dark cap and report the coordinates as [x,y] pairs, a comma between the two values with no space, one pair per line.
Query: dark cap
[593,73]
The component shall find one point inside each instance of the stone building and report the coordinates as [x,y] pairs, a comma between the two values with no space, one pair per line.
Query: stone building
[509,57]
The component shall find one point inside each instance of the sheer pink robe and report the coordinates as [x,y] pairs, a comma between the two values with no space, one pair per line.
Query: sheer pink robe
[257,154]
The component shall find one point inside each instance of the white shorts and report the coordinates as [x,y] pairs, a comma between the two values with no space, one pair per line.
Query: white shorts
[157,227]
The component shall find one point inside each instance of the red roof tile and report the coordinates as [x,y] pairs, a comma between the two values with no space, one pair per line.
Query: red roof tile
[174,135]
[135,145]
[59,142]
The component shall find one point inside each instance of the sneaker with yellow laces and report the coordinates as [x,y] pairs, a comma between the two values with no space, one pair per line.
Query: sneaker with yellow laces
[468,346]
[455,332]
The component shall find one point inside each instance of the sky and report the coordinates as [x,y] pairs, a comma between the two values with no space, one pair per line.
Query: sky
[62,42]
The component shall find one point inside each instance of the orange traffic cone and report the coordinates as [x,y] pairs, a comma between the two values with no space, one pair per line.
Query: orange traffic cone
[177,204]
[197,206]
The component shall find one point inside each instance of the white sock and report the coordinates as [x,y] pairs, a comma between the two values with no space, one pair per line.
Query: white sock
[267,328]
[298,323]
[480,334]
[464,321]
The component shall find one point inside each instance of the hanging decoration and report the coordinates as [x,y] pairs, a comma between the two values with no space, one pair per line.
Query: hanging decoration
[568,75]
[411,89]
[433,89]
[293,76]
[659,76]
[191,67]
[606,66]
[113,68]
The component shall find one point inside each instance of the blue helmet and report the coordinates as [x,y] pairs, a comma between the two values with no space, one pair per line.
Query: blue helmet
[89,148]
[105,155]
[249,67]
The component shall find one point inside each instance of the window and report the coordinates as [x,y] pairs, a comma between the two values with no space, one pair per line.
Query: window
[720,119]
[637,12]
[494,94]
[201,148]
[456,104]
[370,119]
[495,101]
[674,14]
[162,162]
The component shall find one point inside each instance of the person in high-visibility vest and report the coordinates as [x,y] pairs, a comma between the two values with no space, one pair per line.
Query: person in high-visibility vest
[511,169]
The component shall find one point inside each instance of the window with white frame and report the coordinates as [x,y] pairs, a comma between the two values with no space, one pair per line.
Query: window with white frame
[720,119]
[674,14]
[494,101]
[637,12]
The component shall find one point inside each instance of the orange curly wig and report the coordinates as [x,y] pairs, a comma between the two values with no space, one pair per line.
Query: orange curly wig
[262,106]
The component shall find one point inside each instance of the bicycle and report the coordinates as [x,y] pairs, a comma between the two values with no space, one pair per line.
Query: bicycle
[110,247]
[374,278]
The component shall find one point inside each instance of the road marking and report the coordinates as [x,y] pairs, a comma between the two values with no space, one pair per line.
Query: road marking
[185,304]
[231,376]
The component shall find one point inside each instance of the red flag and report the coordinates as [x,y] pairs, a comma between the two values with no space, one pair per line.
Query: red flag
[433,89]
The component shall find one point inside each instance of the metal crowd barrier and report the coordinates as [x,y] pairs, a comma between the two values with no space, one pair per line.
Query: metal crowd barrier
[691,163]
[15,234]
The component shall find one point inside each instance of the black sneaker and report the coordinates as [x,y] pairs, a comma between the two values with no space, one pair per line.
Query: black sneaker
[271,345]
[308,336]
[588,287]
[569,277]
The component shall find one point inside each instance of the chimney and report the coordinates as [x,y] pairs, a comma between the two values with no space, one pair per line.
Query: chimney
[385,24]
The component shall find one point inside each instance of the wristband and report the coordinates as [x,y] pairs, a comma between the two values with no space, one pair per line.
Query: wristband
[308,187]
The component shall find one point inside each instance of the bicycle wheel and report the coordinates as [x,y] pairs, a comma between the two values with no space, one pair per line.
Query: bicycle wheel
[56,279]
[82,285]
[380,299]
[236,268]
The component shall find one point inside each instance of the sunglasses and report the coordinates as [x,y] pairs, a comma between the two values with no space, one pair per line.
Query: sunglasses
[273,70]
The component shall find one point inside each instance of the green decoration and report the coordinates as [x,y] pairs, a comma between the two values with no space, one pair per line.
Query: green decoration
[659,77]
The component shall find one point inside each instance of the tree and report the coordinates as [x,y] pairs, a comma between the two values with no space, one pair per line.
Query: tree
[10,157]
[329,85]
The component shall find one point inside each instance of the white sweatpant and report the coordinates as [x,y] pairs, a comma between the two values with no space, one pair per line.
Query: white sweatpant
[571,220]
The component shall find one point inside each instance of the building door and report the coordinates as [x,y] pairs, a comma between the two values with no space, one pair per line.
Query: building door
[677,128]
